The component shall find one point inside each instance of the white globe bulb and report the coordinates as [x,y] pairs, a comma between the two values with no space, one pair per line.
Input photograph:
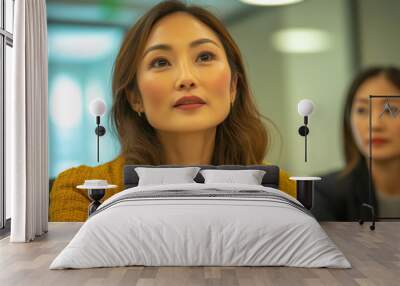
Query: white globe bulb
[97,107]
[305,107]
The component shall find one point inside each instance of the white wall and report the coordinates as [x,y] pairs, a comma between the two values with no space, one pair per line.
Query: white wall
[264,69]
[280,80]
[379,23]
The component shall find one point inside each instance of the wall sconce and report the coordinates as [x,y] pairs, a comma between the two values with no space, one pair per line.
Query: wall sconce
[97,108]
[305,107]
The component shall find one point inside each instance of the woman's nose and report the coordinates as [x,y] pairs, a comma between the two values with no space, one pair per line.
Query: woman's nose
[376,119]
[186,84]
[186,79]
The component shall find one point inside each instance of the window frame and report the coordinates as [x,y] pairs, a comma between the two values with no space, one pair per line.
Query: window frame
[6,39]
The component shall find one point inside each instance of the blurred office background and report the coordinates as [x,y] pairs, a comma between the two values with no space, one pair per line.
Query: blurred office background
[310,49]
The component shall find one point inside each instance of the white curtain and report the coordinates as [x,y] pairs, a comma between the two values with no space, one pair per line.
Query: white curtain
[26,123]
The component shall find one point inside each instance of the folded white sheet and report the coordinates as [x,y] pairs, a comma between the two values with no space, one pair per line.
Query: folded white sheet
[183,231]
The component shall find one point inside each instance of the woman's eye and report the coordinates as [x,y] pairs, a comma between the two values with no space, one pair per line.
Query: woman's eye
[207,56]
[361,110]
[159,62]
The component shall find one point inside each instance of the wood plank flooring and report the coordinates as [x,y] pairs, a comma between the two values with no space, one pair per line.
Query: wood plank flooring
[374,255]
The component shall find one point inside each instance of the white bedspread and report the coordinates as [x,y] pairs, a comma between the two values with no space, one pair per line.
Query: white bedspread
[182,231]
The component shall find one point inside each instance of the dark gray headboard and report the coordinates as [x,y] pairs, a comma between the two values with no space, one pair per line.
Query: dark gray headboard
[270,179]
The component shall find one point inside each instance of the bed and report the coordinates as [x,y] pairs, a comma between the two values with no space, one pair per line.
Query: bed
[201,223]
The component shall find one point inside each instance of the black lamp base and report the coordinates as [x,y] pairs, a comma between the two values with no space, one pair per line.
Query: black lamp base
[304,193]
[372,209]
[95,195]
[305,190]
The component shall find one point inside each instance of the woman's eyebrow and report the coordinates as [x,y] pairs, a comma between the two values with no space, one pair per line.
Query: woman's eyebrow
[362,100]
[166,47]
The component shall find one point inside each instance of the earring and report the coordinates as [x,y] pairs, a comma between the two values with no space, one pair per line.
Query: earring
[140,114]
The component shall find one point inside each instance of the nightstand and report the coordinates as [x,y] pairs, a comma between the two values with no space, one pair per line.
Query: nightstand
[305,190]
[96,190]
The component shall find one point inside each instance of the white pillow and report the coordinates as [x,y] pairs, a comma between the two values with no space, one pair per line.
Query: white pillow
[162,176]
[249,177]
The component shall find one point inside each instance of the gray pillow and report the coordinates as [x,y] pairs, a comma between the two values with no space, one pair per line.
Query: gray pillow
[162,176]
[248,177]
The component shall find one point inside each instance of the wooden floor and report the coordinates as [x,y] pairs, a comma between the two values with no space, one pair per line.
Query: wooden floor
[374,255]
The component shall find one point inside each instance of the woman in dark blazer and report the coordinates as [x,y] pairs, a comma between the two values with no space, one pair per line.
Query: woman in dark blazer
[339,198]
[340,195]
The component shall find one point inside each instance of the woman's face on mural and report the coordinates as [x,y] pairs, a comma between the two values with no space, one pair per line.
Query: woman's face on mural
[184,57]
[385,128]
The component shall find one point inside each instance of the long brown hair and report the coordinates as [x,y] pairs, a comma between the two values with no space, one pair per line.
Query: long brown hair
[241,139]
[351,152]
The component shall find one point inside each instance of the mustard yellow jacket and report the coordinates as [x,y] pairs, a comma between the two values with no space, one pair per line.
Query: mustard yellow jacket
[67,203]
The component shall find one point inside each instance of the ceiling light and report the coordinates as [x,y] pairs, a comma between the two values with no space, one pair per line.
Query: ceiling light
[66,43]
[270,2]
[301,40]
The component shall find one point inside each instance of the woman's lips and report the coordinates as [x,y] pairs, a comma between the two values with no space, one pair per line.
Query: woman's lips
[190,106]
[378,141]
